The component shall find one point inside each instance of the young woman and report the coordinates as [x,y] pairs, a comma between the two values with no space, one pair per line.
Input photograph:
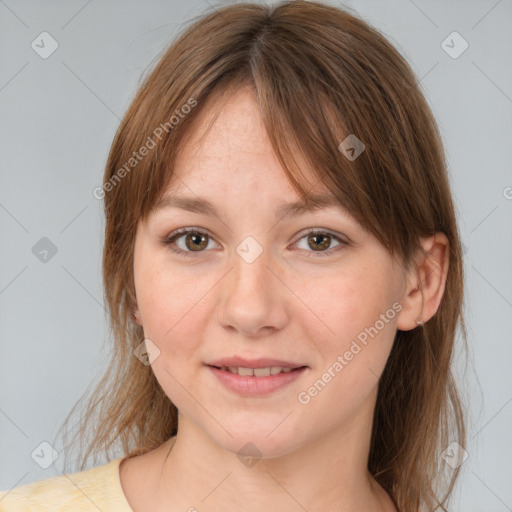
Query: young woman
[283,272]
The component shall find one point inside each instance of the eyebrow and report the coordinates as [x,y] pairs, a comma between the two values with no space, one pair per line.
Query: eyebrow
[203,206]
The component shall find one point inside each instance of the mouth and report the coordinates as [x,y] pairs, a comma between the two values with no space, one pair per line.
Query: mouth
[266,371]
[256,377]
[259,367]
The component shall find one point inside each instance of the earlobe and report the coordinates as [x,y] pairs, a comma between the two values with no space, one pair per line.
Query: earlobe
[136,315]
[425,283]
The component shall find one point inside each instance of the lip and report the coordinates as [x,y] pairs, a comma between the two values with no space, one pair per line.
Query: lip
[261,362]
[256,386]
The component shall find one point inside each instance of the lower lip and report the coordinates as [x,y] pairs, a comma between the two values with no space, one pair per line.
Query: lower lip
[254,386]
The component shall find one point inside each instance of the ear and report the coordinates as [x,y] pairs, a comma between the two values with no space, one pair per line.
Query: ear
[426,281]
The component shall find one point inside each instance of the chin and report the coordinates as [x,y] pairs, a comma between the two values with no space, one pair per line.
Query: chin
[251,441]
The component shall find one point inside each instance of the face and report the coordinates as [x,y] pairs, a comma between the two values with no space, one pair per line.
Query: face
[253,283]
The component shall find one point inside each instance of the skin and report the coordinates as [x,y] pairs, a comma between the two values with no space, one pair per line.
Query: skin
[291,303]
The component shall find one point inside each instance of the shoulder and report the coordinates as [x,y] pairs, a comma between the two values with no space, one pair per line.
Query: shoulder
[92,489]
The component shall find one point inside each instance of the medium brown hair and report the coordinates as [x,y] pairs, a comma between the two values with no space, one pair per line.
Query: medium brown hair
[319,74]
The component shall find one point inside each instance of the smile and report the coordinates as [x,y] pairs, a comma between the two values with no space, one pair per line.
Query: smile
[256,381]
[257,372]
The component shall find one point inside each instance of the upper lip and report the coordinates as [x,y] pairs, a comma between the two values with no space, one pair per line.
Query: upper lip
[261,362]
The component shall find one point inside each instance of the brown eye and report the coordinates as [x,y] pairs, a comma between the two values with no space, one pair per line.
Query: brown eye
[196,241]
[188,242]
[318,243]
[319,240]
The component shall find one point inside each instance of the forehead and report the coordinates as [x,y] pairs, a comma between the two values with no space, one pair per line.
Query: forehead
[229,117]
[228,147]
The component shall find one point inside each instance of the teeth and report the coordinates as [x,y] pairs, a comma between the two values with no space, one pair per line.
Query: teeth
[256,372]
[261,372]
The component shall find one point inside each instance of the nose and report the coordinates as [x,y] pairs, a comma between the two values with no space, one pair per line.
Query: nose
[254,299]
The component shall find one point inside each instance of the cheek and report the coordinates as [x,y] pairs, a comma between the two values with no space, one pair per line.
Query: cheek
[354,356]
[167,299]
[172,309]
[346,302]
[358,322]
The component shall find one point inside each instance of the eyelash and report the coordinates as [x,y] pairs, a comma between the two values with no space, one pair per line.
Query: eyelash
[169,241]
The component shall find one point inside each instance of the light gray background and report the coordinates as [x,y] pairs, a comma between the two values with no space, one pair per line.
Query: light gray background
[57,120]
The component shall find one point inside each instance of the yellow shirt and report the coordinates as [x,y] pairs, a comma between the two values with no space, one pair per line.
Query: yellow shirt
[94,489]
